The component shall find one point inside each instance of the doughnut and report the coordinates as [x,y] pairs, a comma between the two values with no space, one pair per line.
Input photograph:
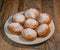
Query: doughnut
[15,28]
[43,30]
[29,34]
[20,18]
[44,18]
[32,13]
[31,23]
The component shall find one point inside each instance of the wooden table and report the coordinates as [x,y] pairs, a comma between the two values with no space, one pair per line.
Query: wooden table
[9,7]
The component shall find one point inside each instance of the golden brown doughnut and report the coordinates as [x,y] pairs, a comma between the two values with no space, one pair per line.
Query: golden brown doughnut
[31,23]
[44,18]
[18,17]
[15,28]
[43,30]
[32,13]
[29,34]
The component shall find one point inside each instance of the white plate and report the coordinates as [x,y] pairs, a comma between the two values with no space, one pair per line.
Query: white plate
[19,39]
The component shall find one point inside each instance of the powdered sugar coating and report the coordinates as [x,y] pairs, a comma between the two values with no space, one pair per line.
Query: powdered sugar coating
[29,32]
[43,17]
[19,17]
[42,27]
[31,21]
[31,13]
[17,27]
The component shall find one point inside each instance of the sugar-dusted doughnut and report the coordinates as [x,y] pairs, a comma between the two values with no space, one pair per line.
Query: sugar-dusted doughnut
[32,13]
[15,28]
[31,23]
[18,17]
[44,18]
[29,34]
[43,30]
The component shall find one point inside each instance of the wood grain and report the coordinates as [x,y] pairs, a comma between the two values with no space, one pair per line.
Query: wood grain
[57,22]
[9,7]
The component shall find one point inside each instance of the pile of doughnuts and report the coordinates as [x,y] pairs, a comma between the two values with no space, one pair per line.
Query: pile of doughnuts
[30,24]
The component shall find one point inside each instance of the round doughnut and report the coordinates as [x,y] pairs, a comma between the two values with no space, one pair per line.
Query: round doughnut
[44,18]
[29,34]
[15,28]
[18,17]
[43,30]
[32,13]
[30,23]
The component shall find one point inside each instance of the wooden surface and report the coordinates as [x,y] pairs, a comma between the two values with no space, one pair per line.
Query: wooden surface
[9,7]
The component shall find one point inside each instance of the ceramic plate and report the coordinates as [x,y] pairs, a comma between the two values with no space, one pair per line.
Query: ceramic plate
[20,40]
